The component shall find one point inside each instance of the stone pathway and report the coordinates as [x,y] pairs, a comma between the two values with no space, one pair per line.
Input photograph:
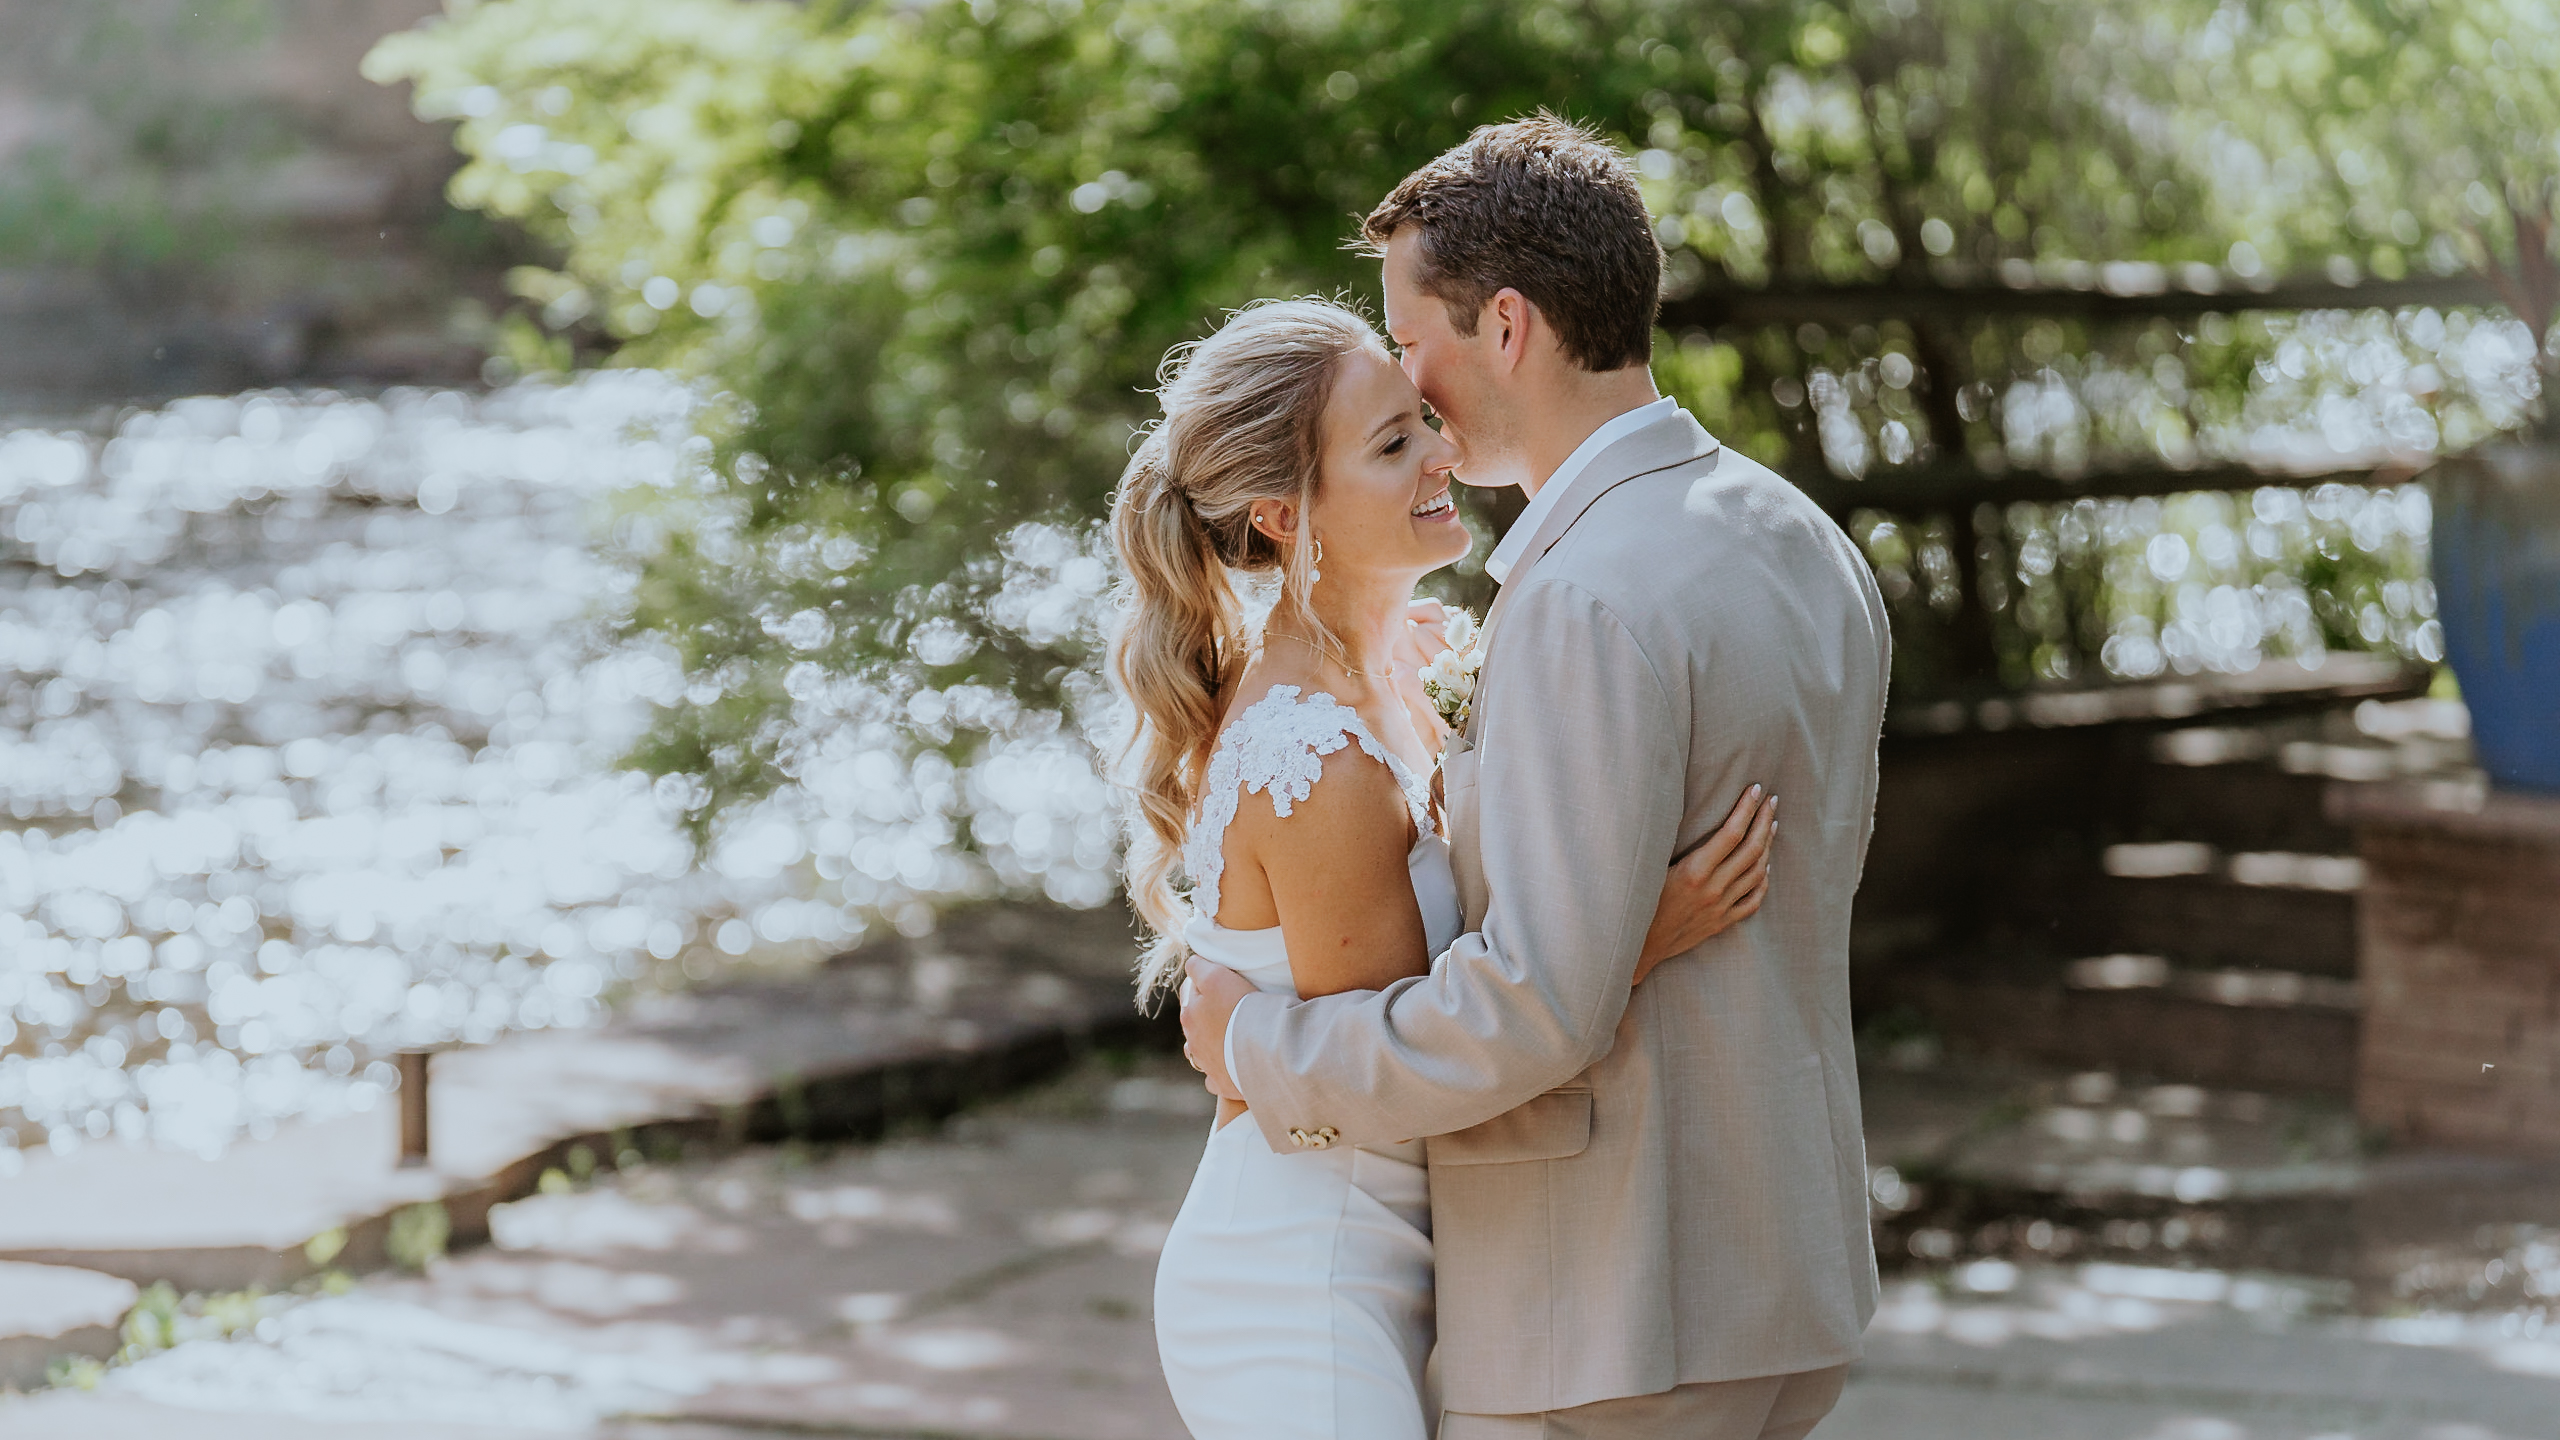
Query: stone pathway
[991,1279]
[2115,1352]
[890,1031]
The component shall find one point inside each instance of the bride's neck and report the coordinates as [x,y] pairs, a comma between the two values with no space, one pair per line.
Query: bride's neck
[1365,614]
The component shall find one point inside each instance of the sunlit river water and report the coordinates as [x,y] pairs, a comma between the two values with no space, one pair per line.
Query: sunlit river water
[307,742]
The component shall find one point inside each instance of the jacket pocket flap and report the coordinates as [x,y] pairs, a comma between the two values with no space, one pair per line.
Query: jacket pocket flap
[1551,1127]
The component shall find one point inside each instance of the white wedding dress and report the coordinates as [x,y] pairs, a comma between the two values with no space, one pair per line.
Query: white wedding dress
[1293,1300]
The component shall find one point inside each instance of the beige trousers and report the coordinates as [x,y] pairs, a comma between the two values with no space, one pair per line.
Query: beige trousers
[1772,1407]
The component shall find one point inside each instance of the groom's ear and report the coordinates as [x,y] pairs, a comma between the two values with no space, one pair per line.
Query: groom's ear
[1508,319]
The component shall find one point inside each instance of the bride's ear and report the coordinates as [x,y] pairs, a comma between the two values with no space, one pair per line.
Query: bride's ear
[1276,521]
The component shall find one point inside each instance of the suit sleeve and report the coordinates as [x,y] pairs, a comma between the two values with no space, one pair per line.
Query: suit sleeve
[1580,793]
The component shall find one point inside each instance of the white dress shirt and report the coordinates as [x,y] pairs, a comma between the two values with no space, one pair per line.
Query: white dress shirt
[1550,495]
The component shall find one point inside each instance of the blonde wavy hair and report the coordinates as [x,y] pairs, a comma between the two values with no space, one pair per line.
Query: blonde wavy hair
[1243,420]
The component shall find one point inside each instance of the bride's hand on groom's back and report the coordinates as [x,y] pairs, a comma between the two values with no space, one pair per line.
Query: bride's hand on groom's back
[1716,886]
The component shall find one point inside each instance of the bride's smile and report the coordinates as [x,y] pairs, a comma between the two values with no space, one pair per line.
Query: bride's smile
[1383,508]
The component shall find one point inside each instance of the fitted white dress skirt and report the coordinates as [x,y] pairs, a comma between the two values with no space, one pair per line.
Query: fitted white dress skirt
[1294,1296]
[1293,1299]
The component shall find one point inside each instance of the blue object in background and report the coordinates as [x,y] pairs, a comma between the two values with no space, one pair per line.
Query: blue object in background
[2497,574]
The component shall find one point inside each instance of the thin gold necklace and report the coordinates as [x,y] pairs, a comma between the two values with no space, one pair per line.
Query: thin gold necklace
[1336,657]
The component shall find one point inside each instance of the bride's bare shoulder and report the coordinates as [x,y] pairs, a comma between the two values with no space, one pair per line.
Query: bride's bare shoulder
[1304,813]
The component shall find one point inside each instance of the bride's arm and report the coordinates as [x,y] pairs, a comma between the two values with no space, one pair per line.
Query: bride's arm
[1333,877]
[1715,887]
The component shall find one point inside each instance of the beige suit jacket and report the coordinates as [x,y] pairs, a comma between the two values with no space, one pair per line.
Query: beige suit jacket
[1630,1193]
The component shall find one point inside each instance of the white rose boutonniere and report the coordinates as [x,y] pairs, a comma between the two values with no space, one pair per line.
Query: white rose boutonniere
[1450,679]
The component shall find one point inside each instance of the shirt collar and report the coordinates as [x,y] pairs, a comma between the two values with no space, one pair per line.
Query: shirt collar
[1516,540]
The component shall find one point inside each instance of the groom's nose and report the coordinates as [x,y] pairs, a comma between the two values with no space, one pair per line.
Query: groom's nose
[1452,453]
[1453,446]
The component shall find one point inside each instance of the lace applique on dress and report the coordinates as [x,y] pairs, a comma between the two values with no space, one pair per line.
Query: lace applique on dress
[1278,745]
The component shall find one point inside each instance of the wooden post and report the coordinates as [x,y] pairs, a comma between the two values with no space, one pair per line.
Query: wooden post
[413,1108]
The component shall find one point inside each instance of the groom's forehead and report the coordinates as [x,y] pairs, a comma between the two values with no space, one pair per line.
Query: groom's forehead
[1400,253]
[1396,271]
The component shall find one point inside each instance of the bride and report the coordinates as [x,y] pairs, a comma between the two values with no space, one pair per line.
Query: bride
[1294,1294]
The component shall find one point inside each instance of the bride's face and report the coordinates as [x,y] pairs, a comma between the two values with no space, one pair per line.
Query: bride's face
[1382,502]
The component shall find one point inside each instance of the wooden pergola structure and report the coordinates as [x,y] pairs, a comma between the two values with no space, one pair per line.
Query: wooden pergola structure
[1947,482]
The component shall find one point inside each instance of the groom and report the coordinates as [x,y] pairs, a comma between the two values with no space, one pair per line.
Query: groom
[1649,1208]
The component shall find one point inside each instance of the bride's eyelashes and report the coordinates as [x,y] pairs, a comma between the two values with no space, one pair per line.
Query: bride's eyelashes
[1394,446]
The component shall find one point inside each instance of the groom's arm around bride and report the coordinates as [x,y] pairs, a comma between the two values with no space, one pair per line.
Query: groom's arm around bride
[1635,1190]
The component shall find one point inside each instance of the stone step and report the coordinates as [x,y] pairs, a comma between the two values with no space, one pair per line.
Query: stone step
[55,1312]
[2204,908]
[2258,1029]
[2255,785]
[2258,987]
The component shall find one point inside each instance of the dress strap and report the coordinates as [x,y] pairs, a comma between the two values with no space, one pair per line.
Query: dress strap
[1277,746]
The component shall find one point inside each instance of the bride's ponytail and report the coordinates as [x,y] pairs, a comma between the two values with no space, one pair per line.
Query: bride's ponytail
[1243,421]
[1181,641]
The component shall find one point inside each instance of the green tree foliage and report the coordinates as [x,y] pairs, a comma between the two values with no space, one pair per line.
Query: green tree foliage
[2383,137]
[929,256]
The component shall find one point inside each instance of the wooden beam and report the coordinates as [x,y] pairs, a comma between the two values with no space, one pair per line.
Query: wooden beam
[2145,293]
[1957,488]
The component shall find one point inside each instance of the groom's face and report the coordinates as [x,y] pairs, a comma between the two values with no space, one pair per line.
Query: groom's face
[1452,371]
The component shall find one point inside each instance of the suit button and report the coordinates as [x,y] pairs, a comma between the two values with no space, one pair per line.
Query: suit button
[1298,1137]
[1322,1136]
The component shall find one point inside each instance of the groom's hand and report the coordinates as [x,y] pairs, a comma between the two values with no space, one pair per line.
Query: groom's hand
[1208,1002]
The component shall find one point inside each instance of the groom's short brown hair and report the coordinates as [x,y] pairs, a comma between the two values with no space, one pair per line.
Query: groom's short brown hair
[1547,208]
